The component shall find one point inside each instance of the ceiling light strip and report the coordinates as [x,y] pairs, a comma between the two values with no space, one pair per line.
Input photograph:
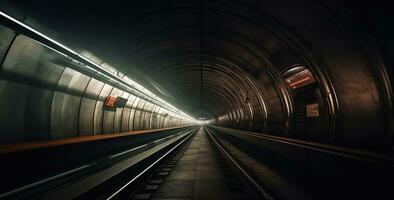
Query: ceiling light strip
[90,65]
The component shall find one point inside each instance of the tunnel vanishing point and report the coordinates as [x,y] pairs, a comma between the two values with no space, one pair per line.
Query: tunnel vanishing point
[196,99]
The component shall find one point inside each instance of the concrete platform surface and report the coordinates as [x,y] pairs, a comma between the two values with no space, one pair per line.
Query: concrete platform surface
[201,173]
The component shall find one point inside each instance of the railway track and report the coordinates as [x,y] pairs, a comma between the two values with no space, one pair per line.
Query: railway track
[90,177]
[198,167]
[190,164]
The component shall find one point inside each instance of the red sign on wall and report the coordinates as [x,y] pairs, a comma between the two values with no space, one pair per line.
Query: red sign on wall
[302,78]
[110,101]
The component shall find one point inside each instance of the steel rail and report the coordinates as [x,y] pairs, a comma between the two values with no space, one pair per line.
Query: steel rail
[254,183]
[117,192]
[355,154]
[88,166]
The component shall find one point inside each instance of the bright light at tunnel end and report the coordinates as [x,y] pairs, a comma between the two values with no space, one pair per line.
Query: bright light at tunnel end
[204,122]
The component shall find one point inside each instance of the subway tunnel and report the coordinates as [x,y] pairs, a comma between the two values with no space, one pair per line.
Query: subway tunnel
[196,99]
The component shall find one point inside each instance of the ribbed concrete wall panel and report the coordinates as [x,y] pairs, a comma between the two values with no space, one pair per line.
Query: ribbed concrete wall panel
[130,101]
[136,120]
[151,117]
[126,113]
[38,105]
[166,121]
[125,119]
[147,116]
[137,115]
[144,112]
[98,111]
[156,118]
[162,118]
[88,105]
[27,81]
[131,119]
[172,120]
[66,104]
[12,106]
[132,113]
[6,38]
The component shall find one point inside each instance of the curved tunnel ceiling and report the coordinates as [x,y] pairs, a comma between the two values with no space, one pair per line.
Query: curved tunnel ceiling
[242,48]
[168,42]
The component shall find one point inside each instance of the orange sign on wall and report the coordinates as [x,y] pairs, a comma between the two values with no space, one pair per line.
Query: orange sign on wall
[300,79]
[110,101]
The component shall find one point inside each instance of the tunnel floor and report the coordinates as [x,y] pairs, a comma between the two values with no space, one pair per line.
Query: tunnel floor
[202,173]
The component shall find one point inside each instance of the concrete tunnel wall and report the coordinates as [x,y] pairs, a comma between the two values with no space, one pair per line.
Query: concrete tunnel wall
[42,99]
[248,46]
[355,99]
[351,74]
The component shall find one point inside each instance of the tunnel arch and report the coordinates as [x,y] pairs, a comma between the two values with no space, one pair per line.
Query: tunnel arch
[256,41]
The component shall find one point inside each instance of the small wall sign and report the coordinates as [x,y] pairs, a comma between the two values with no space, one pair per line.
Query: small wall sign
[312,110]
[300,79]
[110,101]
